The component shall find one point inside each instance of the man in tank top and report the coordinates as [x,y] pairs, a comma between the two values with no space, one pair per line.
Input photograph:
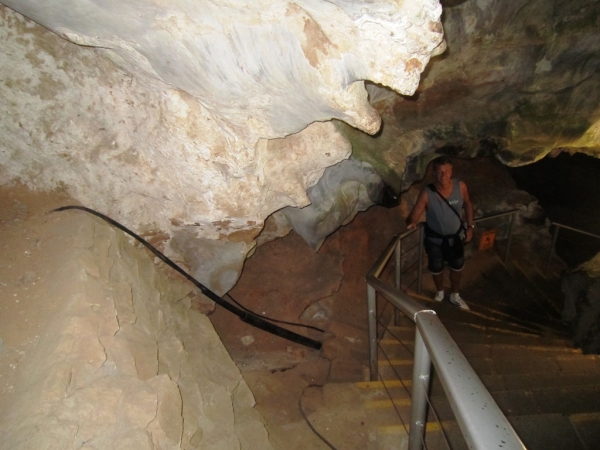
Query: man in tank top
[443,202]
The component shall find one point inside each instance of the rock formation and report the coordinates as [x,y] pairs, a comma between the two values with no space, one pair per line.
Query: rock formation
[190,121]
[344,189]
[102,347]
[519,80]
[581,311]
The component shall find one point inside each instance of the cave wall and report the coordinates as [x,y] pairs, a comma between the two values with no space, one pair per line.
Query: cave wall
[101,348]
[191,122]
[518,81]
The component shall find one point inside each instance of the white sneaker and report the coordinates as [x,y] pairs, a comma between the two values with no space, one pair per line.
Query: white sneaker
[457,301]
[439,296]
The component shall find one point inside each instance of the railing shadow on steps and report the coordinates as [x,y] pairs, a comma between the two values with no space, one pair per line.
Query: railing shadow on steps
[481,421]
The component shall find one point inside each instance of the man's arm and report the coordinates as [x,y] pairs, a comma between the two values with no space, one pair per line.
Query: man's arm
[468,207]
[420,205]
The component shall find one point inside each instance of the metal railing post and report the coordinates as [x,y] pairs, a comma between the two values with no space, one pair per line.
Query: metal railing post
[554,237]
[510,233]
[398,258]
[421,380]
[372,305]
[421,237]
[481,421]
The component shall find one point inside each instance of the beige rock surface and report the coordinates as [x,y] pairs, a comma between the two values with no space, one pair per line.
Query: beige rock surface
[197,120]
[100,346]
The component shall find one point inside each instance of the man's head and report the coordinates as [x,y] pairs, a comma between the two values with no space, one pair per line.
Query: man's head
[442,171]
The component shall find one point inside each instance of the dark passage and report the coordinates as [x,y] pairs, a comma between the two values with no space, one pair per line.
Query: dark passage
[568,188]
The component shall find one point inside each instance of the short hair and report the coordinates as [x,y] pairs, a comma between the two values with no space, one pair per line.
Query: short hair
[441,161]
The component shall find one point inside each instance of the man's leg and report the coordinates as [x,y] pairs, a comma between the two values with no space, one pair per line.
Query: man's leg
[456,261]
[438,279]
[436,266]
[455,277]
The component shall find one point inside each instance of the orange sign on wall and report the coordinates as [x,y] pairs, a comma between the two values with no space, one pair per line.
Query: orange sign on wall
[487,239]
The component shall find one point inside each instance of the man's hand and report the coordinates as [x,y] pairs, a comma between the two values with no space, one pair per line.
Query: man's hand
[415,214]
[469,235]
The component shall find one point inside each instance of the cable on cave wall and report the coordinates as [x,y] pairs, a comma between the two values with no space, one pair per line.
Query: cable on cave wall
[247,316]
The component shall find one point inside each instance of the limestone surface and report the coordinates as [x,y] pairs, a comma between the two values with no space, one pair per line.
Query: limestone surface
[519,81]
[196,119]
[102,348]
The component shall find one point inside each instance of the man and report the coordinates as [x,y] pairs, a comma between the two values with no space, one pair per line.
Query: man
[444,201]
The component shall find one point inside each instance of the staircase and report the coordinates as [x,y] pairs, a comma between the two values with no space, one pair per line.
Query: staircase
[514,340]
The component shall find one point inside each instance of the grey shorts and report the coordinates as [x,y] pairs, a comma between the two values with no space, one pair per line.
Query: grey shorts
[453,253]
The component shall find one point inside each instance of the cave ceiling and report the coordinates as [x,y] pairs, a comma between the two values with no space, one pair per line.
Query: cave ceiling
[191,122]
[519,80]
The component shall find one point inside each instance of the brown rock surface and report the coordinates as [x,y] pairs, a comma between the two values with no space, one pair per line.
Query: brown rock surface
[285,279]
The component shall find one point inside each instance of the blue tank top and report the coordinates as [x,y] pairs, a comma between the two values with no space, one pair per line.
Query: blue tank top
[438,216]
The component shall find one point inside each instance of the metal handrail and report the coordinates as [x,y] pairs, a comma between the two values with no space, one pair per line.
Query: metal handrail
[513,213]
[419,228]
[480,419]
[557,227]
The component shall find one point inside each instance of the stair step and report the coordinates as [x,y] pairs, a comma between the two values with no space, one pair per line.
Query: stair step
[548,432]
[530,411]
[522,402]
[402,429]
[539,432]
[395,362]
[538,381]
[490,319]
[496,383]
[569,400]
[506,365]
[497,365]
[395,437]
[388,403]
[515,341]
[393,433]
[469,332]
[588,428]
[384,384]
[548,287]
[481,349]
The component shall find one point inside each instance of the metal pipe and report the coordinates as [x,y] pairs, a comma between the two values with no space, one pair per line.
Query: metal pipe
[398,255]
[510,233]
[420,390]
[481,421]
[383,259]
[396,297]
[495,216]
[554,237]
[576,230]
[398,273]
[420,276]
[372,306]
